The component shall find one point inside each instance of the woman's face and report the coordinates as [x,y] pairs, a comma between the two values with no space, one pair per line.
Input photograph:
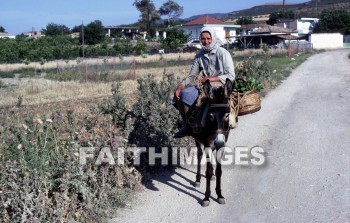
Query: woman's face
[205,38]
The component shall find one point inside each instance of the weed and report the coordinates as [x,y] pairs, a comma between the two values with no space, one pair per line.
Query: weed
[2,84]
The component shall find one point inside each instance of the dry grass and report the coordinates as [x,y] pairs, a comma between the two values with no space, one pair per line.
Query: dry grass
[93,61]
[38,91]
[252,52]
[42,91]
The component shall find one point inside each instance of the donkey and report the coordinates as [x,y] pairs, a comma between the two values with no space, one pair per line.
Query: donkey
[214,133]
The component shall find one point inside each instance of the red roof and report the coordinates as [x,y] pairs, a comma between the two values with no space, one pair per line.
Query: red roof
[204,20]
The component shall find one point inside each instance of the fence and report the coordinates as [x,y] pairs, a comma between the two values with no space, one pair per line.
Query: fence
[295,47]
[103,69]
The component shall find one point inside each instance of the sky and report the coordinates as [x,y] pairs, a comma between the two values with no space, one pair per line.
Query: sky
[19,16]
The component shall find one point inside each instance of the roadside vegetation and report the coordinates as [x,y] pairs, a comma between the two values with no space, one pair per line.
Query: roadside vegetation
[41,177]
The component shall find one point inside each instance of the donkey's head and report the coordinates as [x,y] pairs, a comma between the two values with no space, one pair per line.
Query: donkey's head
[216,127]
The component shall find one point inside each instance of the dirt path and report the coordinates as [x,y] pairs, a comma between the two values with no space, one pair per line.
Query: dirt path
[304,128]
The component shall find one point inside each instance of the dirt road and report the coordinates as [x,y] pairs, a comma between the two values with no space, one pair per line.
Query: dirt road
[304,129]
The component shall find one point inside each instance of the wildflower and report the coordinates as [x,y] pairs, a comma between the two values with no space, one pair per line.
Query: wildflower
[114,143]
[49,120]
[9,140]
[11,110]
[20,146]
[59,117]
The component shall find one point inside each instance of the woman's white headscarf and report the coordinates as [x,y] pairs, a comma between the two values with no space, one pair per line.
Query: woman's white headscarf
[215,43]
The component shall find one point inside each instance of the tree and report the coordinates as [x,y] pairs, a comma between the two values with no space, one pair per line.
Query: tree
[275,16]
[53,29]
[171,9]
[244,20]
[334,21]
[94,32]
[76,29]
[149,14]
[2,29]
[175,37]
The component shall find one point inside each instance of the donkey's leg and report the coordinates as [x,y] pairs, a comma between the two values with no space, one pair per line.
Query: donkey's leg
[199,159]
[208,175]
[218,173]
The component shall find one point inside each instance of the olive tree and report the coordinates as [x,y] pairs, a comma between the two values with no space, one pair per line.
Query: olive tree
[148,16]
[171,9]
[53,29]
[334,21]
[94,32]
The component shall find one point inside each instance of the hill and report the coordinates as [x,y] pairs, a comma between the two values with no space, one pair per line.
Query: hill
[309,7]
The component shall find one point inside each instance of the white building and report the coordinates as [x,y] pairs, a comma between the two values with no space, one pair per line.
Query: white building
[302,26]
[326,40]
[6,35]
[225,31]
[33,34]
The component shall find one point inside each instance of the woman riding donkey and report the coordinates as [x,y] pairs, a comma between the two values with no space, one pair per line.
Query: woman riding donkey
[216,65]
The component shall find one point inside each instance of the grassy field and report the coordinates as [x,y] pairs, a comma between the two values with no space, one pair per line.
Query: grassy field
[35,90]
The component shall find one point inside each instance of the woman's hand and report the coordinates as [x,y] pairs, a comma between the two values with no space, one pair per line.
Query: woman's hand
[178,91]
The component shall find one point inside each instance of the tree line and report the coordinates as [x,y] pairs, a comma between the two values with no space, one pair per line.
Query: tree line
[57,45]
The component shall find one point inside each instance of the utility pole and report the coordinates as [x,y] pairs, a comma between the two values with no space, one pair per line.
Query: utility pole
[283,10]
[149,22]
[82,36]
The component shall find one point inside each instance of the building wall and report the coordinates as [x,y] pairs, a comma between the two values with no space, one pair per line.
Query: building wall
[326,40]
[6,35]
[306,26]
[194,32]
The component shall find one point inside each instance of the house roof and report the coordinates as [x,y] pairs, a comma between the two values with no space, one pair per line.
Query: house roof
[272,29]
[204,20]
[6,35]
[253,26]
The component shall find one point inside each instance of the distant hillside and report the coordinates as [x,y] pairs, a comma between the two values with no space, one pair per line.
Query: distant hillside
[274,7]
[307,6]
[214,15]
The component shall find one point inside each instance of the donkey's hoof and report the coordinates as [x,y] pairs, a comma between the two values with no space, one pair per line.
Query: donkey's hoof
[197,184]
[221,200]
[205,203]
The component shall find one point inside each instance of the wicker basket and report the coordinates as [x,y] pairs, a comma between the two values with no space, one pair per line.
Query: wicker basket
[249,102]
[245,103]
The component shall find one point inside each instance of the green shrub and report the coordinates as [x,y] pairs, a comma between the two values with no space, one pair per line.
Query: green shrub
[2,84]
[64,76]
[41,178]
[5,74]
[153,119]
[255,71]
[140,47]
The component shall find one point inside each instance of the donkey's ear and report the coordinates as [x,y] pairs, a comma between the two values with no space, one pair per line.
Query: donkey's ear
[228,88]
[208,89]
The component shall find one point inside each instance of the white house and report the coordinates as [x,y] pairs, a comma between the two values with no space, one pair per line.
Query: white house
[225,31]
[33,34]
[302,26]
[6,35]
[326,40]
